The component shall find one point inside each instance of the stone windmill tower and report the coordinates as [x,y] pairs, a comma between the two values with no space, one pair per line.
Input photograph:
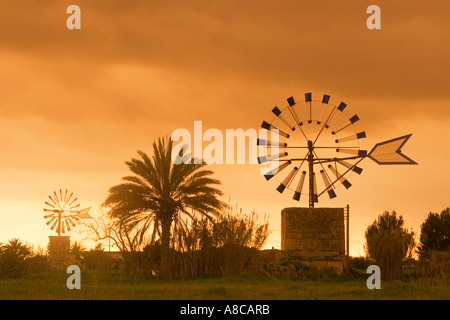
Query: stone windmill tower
[314,146]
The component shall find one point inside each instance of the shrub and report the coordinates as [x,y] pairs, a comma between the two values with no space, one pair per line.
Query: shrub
[226,246]
[358,262]
[13,257]
[145,262]
[39,263]
[388,244]
[97,258]
[435,234]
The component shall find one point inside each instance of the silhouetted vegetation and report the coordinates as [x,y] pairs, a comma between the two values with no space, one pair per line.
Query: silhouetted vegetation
[227,245]
[17,259]
[116,232]
[358,263]
[232,227]
[389,243]
[161,194]
[435,234]
[77,249]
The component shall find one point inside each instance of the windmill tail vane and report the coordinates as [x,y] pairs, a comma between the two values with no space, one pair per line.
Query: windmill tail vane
[390,153]
[83,214]
[321,128]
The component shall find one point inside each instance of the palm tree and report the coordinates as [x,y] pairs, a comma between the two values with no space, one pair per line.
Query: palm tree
[77,249]
[161,193]
[17,248]
[13,258]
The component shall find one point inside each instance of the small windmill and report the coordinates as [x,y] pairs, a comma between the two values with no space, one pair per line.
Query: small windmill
[63,211]
[322,137]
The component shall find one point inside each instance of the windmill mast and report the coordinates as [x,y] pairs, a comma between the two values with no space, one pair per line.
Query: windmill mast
[311,173]
[59,224]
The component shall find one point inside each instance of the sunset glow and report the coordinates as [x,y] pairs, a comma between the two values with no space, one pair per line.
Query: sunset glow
[76,104]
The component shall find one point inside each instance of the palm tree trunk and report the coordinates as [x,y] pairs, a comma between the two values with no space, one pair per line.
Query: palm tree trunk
[165,248]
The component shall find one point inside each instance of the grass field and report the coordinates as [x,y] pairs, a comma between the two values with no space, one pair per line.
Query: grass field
[116,285]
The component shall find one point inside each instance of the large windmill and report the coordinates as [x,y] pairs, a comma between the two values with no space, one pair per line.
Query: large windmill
[318,138]
[318,144]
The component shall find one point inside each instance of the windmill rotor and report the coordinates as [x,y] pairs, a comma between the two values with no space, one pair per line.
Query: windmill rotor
[62,212]
[313,140]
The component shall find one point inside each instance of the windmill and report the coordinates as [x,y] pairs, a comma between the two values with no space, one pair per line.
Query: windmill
[63,211]
[318,138]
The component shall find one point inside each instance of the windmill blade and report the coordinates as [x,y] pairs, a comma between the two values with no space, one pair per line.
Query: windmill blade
[295,115]
[287,180]
[356,152]
[327,121]
[270,143]
[54,224]
[327,183]
[276,111]
[56,196]
[70,204]
[264,159]
[68,225]
[49,204]
[325,100]
[353,137]
[75,206]
[389,152]
[269,175]
[51,220]
[308,98]
[71,222]
[65,195]
[48,216]
[292,110]
[340,177]
[60,194]
[352,121]
[52,199]
[70,196]
[354,168]
[274,129]
[342,106]
[298,190]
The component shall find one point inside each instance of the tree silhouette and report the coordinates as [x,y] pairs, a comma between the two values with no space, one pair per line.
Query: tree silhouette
[160,193]
[435,233]
[77,249]
[12,258]
[389,243]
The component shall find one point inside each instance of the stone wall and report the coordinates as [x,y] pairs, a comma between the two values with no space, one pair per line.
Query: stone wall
[59,252]
[314,236]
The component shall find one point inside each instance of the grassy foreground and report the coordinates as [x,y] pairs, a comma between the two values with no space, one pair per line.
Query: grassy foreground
[116,285]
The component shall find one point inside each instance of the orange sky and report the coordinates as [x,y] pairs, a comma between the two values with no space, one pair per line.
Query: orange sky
[74,105]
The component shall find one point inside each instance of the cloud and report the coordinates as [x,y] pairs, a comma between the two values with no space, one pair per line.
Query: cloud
[316,44]
[76,104]
[141,70]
